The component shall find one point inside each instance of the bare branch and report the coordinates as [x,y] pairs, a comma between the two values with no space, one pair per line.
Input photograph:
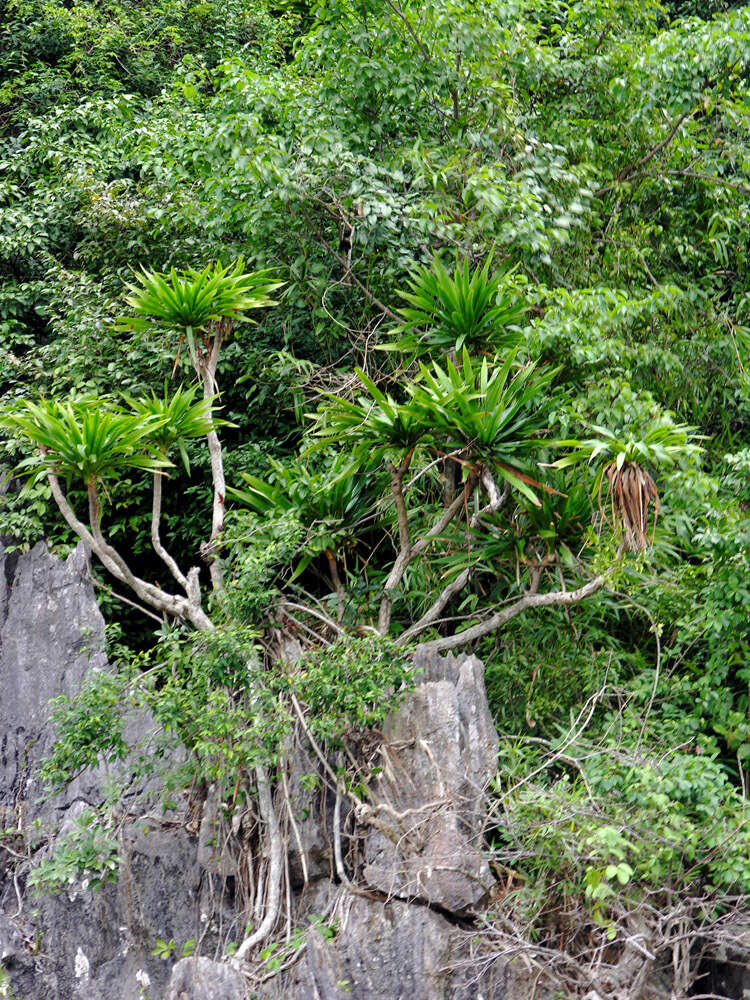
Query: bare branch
[290,813]
[206,370]
[338,586]
[347,264]
[337,784]
[555,598]
[497,499]
[171,565]
[430,616]
[125,600]
[171,604]
[273,834]
[448,514]
[694,174]
[711,179]
[362,810]
[490,485]
[404,556]
[497,502]
[337,853]
[415,37]
[72,521]
[208,376]
[109,555]
[321,616]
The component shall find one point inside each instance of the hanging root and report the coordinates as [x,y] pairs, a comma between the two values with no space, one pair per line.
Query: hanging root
[631,492]
[272,887]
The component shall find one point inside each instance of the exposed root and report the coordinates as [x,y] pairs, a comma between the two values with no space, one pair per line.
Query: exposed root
[275,866]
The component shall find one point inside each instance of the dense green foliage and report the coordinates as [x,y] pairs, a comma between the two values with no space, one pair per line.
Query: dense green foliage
[512,240]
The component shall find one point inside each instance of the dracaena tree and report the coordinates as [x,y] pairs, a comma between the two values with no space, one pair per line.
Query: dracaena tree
[429,480]
[424,503]
[455,457]
[91,440]
[490,419]
[200,310]
[86,441]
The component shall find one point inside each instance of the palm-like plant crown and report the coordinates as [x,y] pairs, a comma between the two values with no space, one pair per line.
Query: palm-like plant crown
[493,412]
[664,443]
[631,488]
[328,502]
[495,408]
[447,312]
[370,424]
[189,301]
[176,418]
[87,439]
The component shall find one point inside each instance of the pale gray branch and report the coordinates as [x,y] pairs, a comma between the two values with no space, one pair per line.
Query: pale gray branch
[404,555]
[160,600]
[555,598]
[171,565]
[497,502]
[434,612]
[208,376]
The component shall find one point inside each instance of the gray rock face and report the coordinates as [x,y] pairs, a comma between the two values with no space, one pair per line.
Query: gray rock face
[313,817]
[439,756]
[201,979]
[51,633]
[416,847]
[99,945]
[391,951]
[79,944]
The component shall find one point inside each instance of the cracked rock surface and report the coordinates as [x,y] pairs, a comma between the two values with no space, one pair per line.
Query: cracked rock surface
[409,936]
[391,951]
[78,944]
[51,633]
[439,755]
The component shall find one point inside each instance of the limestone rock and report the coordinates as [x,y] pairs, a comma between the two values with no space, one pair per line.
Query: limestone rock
[213,854]
[390,951]
[79,944]
[438,757]
[99,945]
[51,636]
[203,979]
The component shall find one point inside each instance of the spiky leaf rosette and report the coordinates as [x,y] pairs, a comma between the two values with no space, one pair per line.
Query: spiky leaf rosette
[188,301]
[370,425]
[180,418]
[447,311]
[87,439]
[496,411]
